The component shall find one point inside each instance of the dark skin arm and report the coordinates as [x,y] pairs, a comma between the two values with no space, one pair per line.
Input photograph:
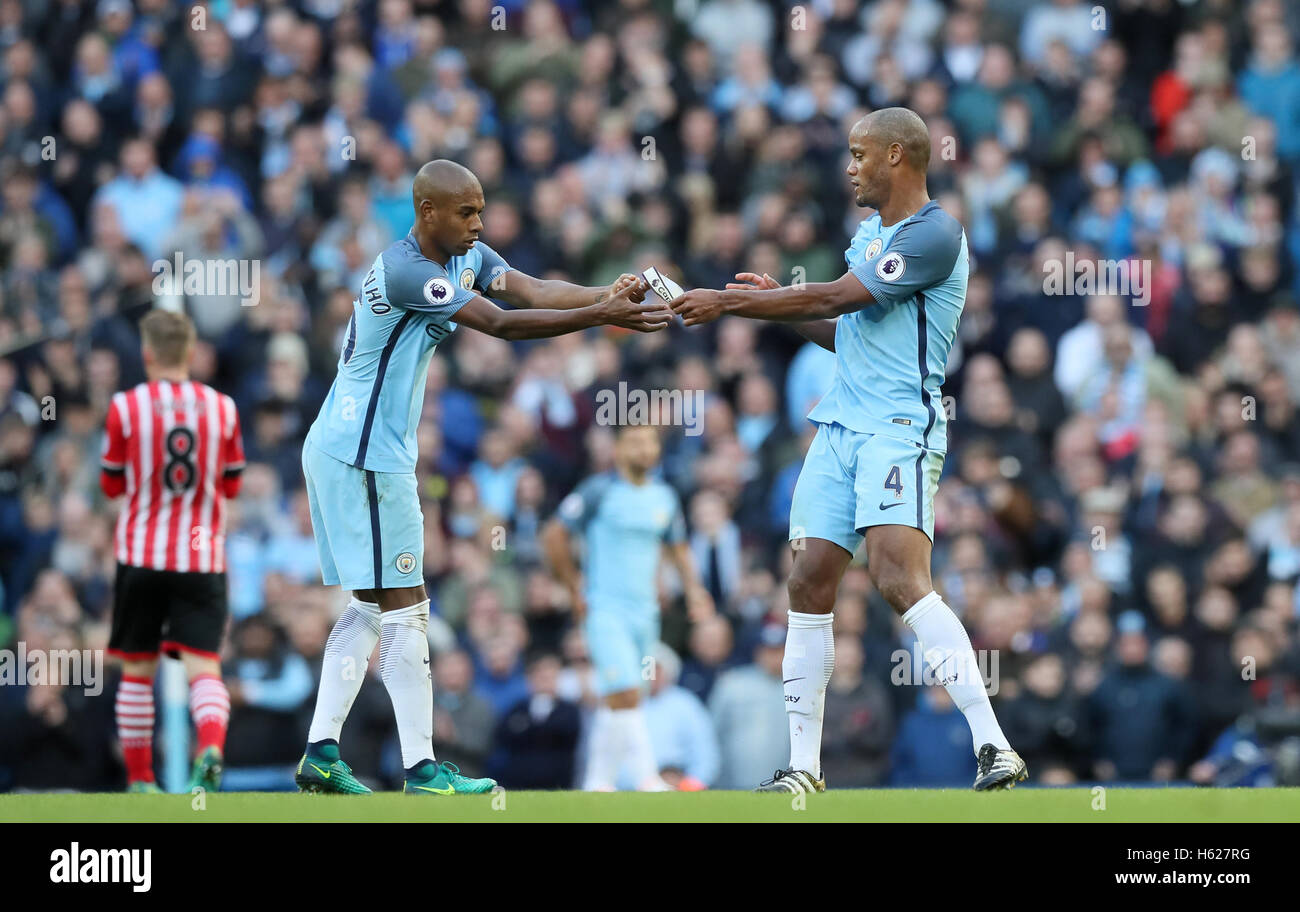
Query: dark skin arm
[628,309]
[559,554]
[821,332]
[789,304]
[521,290]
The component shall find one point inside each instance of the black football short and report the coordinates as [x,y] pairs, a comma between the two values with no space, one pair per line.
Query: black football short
[167,611]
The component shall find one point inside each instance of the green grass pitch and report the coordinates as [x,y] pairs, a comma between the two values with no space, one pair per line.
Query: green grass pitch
[1122,805]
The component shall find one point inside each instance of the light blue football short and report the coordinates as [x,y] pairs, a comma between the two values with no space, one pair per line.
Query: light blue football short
[851,481]
[368,525]
[622,645]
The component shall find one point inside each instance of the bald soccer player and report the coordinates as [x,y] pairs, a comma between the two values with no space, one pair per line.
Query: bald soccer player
[873,467]
[359,456]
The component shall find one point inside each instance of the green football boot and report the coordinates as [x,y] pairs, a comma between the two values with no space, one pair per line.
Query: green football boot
[321,771]
[143,788]
[429,778]
[207,770]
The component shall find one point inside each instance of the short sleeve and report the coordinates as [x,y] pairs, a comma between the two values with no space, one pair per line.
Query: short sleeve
[922,254]
[423,285]
[494,267]
[578,509]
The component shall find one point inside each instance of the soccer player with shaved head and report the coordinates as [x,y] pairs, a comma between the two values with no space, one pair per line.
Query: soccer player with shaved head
[359,456]
[873,467]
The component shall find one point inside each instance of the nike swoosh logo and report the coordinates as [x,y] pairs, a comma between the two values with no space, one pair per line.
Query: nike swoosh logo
[792,679]
[889,506]
[428,788]
[319,770]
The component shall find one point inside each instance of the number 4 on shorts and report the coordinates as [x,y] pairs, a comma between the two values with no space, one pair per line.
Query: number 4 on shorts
[894,481]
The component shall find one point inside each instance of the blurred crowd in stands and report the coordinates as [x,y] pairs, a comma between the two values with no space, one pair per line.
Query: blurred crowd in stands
[1118,522]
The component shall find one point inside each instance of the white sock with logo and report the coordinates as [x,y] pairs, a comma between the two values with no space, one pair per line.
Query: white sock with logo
[806,670]
[404,668]
[347,653]
[947,652]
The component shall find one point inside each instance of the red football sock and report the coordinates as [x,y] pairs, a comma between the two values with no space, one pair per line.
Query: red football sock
[134,707]
[210,709]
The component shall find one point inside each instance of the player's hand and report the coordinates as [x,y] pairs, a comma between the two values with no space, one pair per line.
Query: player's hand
[626,280]
[699,305]
[699,604]
[750,281]
[630,310]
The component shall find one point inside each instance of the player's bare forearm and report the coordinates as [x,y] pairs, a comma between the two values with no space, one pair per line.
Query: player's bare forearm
[544,323]
[787,304]
[821,332]
[559,553]
[627,309]
[524,291]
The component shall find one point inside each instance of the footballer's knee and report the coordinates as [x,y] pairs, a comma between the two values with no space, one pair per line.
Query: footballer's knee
[196,665]
[623,699]
[145,669]
[811,592]
[900,585]
[898,559]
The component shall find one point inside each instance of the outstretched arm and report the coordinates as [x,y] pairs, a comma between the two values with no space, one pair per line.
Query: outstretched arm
[821,332]
[627,309]
[521,290]
[789,304]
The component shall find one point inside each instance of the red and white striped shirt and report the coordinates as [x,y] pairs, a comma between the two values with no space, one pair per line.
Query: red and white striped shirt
[175,450]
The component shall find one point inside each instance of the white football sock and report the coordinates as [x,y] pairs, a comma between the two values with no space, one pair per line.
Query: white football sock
[604,751]
[806,670]
[347,653]
[947,651]
[638,750]
[404,668]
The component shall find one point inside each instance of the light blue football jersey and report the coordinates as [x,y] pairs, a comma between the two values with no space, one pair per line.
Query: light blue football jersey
[404,310]
[623,526]
[891,356]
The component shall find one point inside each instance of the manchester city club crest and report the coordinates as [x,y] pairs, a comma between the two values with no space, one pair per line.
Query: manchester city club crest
[405,562]
[874,248]
[467,278]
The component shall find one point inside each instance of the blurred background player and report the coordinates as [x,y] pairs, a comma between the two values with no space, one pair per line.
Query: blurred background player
[873,469]
[359,457]
[626,518]
[173,447]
